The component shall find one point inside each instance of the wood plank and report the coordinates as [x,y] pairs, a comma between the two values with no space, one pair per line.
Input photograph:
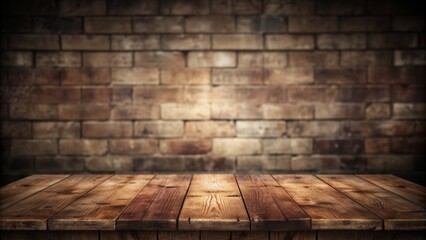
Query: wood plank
[178,235]
[33,212]
[397,213]
[289,235]
[269,206]
[250,235]
[16,191]
[128,235]
[213,202]
[157,206]
[327,207]
[215,235]
[99,208]
[406,189]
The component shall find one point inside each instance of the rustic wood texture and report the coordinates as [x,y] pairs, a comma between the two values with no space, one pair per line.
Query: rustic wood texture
[397,213]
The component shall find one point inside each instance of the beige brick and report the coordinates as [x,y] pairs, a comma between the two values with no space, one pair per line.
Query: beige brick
[84,76]
[392,40]
[185,76]
[237,42]
[133,7]
[159,59]
[107,59]
[158,24]
[312,24]
[377,145]
[85,42]
[289,76]
[16,59]
[107,129]
[135,76]
[209,129]
[134,112]
[377,128]
[265,59]
[135,42]
[83,111]
[409,110]
[121,95]
[248,94]
[109,164]
[212,59]
[365,24]
[236,111]
[289,42]
[305,163]
[259,163]
[366,58]
[133,146]
[287,146]
[56,130]
[185,7]
[107,25]
[342,41]
[208,24]
[185,41]
[83,147]
[260,128]
[378,111]
[287,111]
[278,7]
[410,58]
[259,24]
[229,146]
[34,42]
[196,94]
[33,147]
[96,95]
[314,59]
[314,128]
[52,95]
[340,76]
[157,95]
[185,111]
[339,111]
[187,147]
[161,129]
[238,76]
[236,7]
[58,59]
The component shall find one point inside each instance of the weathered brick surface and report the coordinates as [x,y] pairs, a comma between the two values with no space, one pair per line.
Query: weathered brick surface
[209,129]
[238,76]
[159,59]
[185,42]
[107,25]
[83,147]
[161,129]
[85,42]
[135,76]
[229,146]
[267,23]
[34,42]
[135,42]
[56,130]
[212,59]
[237,41]
[163,24]
[58,59]
[107,129]
[185,76]
[133,146]
[107,59]
[293,42]
[260,128]
[287,146]
[185,111]
[186,147]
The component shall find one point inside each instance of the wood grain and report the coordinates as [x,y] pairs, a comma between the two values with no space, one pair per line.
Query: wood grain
[290,235]
[128,235]
[213,202]
[397,213]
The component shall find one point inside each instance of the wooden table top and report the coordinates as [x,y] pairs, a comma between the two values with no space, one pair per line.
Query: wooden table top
[228,202]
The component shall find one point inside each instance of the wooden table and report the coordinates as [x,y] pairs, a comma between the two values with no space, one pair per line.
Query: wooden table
[212,206]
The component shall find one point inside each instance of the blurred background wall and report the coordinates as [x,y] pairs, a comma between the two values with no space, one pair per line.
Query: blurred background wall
[212,85]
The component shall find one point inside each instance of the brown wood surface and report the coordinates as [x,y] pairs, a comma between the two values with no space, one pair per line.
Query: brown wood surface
[397,213]
[327,207]
[213,202]
[99,208]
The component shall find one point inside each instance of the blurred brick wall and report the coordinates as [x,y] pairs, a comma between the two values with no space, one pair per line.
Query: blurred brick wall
[212,85]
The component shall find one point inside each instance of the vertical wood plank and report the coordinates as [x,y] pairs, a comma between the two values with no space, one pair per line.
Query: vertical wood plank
[215,235]
[264,235]
[289,235]
[178,235]
[77,235]
[128,235]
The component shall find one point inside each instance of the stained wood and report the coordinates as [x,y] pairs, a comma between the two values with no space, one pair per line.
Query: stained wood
[128,235]
[16,191]
[215,235]
[327,207]
[47,203]
[250,235]
[178,235]
[397,213]
[292,235]
[99,208]
[406,189]
[213,202]
[269,206]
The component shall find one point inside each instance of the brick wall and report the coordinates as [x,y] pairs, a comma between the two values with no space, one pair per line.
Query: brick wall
[212,85]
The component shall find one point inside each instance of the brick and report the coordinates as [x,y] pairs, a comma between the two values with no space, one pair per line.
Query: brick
[82,147]
[408,23]
[396,75]
[16,59]
[85,42]
[209,129]
[339,111]
[259,163]
[34,42]
[287,146]
[58,164]
[121,95]
[185,7]
[17,76]
[410,93]
[133,146]
[185,76]
[229,146]
[248,94]
[236,111]
[109,164]
[134,112]
[59,25]
[236,7]
[83,112]
[377,145]
[15,129]
[288,111]
[187,147]
[237,76]
[185,42]
[159,59]
[314,128]
[196,94]
[312,24]
[366,58]
[107,59]
[158,24]
[135,42]
[107,129]
[45,76]
[410,58]
[336,7]
[420,127]
[392,40]
[33,147]
[85,76]
[237,41]
[212,59]
[396,7]
[265,59]
[342,41]
[340,76]
[210,24]
[185,163]
[58,59]
[259,24]
[133,7]
[290,42]
[377,128]
[33,111]
[312,94]
[185,111]
[56,130]
[135,76]
[341,146]
[260,128]
[378,111]
[57,95]
[289,76]
[75,8]
[157,94]
[96,95]
[278,7]
[107,25]
[305,163]
[365,94]
[365,24]
[159,129]
[412,145]
[409,110]
[314,59]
